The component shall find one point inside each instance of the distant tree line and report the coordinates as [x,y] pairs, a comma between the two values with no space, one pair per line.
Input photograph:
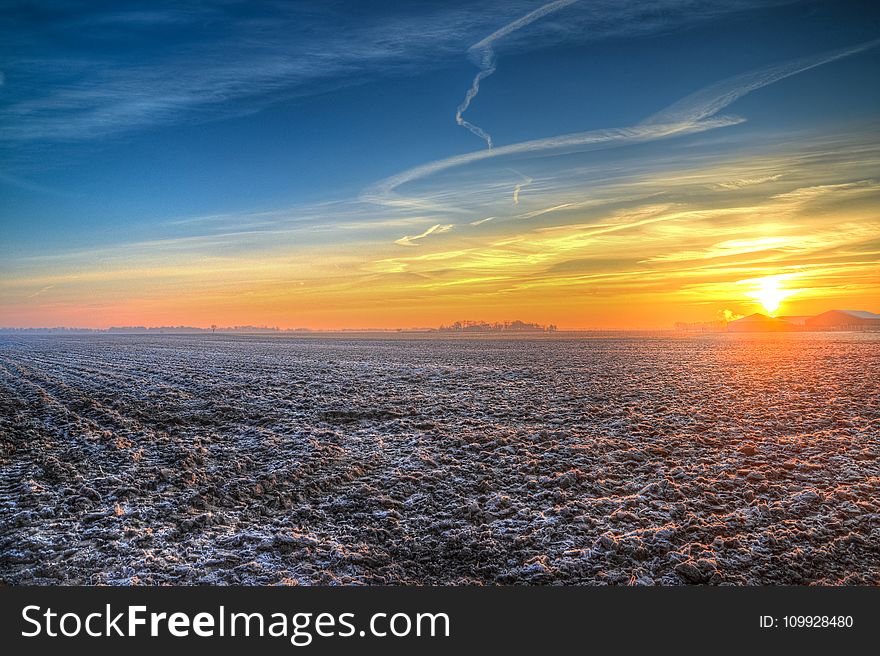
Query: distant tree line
[497,327]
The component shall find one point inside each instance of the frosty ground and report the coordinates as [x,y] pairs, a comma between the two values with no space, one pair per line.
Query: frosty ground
[740,459]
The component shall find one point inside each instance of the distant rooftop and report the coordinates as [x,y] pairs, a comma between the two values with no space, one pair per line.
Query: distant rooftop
[830,320]
[861,314]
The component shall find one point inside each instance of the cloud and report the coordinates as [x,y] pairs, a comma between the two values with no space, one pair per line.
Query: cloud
[692,114]
[647,235]
[602,19]
[660,233]
[526,181]
[41,291]
[484,53]
[22,183]
[223,61]
[712,99]
[579,141]
[748,182]
[816,193]
[433,230]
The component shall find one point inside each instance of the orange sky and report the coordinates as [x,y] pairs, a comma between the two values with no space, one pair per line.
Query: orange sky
[669,243]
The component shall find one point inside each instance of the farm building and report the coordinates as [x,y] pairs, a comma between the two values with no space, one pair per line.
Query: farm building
[844,320]
[760,323]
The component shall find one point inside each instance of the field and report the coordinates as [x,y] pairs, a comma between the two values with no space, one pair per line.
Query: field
[742,459]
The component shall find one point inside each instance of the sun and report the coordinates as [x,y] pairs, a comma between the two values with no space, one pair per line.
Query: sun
[769,293]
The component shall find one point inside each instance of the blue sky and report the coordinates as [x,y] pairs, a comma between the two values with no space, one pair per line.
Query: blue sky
[233,132]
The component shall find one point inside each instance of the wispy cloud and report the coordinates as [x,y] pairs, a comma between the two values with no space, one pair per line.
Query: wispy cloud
[23,183]
[41,291]
[694,113]
[433,230]
[225,59]
[667,246]
[525,182]
[748,182]
[598,19]
[229,59]
[712,99]
[801,215]
[579,141]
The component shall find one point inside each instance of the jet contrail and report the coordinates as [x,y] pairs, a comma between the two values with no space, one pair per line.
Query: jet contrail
[712,99]
[41,291]
[694,113]
[580,141]
[409,240]
[526,181]
[484,54]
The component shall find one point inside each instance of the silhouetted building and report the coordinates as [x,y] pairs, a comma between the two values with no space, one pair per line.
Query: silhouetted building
[760,323]
[844,320]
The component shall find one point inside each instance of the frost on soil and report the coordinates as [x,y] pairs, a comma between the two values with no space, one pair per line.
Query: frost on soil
[275,460]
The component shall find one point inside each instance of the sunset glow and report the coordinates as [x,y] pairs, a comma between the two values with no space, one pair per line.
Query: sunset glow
[770,293]
[688,195]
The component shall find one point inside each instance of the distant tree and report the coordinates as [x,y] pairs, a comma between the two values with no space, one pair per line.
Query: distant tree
[213,327]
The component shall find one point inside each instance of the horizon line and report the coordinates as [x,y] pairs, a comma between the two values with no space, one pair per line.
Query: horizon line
[443,328]
[275,329]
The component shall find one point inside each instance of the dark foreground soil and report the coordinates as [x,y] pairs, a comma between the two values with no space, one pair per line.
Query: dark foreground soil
[255,460]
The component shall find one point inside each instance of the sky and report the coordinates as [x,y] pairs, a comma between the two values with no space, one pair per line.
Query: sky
[586,163]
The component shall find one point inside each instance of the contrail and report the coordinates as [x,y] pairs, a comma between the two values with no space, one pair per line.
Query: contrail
[579,141]
[694,113]
[409,240]
[484,55]
[526,181]
[712,99]
[41,291]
